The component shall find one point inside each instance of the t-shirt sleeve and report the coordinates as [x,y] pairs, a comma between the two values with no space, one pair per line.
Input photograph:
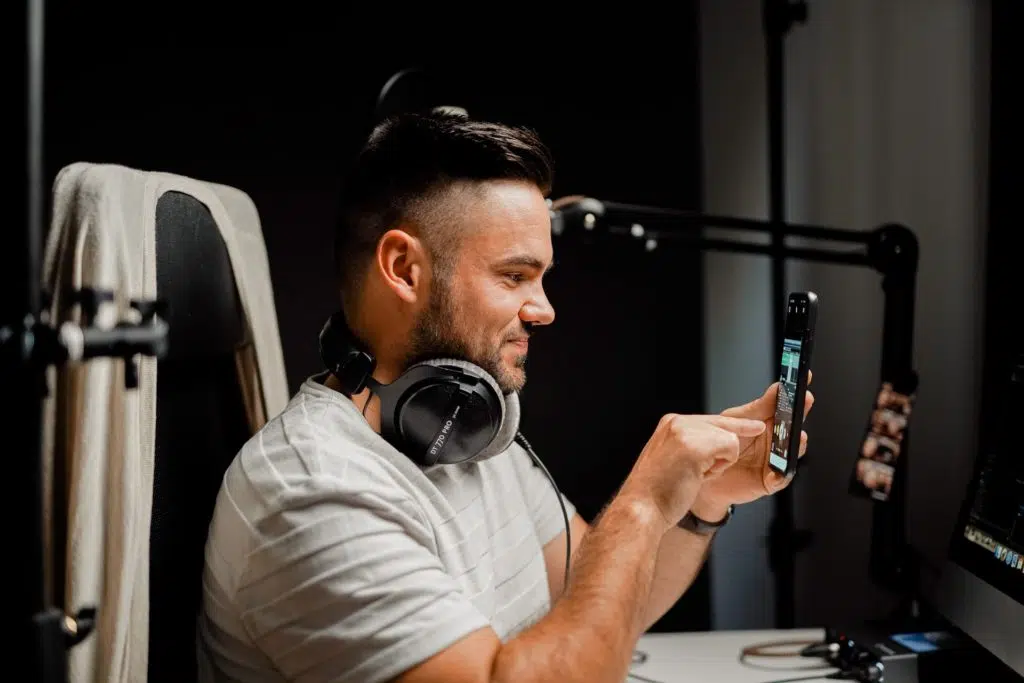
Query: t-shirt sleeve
[345,587]
[540,497]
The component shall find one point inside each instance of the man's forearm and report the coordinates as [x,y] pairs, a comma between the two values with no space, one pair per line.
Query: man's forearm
[590,633]
[681,555]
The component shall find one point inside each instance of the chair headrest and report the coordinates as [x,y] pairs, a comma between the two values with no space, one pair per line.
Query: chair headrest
[194,277]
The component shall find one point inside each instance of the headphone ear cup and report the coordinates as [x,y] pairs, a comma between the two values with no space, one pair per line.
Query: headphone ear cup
[509,402]
[442,412]
[506,433]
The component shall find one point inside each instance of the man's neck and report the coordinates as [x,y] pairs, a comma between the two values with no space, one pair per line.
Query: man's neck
[371,412]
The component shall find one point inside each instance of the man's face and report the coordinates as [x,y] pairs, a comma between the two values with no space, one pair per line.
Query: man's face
[485,308]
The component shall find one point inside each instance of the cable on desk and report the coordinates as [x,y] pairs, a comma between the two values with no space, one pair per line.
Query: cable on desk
[639,657]
[642,679]
[835,676]
[764,650]
[761,649]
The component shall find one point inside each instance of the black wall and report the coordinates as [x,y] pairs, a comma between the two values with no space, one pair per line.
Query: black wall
[1004,281]
[276,106]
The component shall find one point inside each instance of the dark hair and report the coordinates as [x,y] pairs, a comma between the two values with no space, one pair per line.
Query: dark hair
[404,170]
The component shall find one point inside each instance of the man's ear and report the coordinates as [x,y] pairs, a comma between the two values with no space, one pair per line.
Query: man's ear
[402,263]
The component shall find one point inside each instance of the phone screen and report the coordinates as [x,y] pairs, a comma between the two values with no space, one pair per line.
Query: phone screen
[790,366]
[883,439]
[794,347]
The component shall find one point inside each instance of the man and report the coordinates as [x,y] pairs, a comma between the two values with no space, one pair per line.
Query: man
[333,557]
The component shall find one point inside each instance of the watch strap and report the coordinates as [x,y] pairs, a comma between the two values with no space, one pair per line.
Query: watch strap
[692,522]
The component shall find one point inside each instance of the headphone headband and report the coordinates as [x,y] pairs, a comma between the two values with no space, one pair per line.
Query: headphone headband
[345,356]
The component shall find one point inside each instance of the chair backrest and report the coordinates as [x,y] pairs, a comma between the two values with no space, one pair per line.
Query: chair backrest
[200,422]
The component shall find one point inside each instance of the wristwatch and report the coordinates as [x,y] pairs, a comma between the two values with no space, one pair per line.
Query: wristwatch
[692,522]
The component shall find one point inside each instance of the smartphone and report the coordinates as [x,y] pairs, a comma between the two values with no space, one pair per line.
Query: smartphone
[794,365]
[883,438]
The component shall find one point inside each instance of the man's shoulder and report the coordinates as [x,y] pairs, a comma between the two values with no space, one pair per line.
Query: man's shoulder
[318,440]
[310,457]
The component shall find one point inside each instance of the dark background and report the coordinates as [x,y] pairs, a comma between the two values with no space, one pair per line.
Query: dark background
[277,107]
[1004,281]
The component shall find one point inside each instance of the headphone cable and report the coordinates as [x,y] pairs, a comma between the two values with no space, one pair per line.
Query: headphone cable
[367,404]
[558,494]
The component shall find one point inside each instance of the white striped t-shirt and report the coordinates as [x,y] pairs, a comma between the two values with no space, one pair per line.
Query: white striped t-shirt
[332,557]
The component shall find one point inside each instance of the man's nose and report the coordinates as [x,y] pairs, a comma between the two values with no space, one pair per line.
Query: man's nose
[538,311]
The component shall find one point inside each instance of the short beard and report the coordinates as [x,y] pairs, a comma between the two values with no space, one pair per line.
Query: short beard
[436,336]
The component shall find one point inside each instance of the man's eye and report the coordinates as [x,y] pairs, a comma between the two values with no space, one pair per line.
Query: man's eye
[514,277]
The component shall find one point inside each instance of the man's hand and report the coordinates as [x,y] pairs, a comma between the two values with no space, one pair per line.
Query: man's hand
[684,453]
[750,477]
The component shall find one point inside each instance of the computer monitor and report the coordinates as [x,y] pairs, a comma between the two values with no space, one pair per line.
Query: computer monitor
[982,588]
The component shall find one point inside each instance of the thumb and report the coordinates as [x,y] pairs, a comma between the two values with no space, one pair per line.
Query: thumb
[740,426]
[775,482]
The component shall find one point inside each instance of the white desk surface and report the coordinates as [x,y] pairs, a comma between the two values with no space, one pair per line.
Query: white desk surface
[714,657]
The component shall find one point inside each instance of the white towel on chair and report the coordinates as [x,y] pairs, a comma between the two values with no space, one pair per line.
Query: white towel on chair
[103,236]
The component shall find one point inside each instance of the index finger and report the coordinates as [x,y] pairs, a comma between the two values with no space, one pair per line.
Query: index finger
[740,426]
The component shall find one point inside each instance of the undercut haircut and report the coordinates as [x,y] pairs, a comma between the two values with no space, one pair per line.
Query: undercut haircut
[413,169]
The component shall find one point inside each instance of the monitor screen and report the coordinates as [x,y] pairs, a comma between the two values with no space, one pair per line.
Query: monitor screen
[982,588]
[989,539]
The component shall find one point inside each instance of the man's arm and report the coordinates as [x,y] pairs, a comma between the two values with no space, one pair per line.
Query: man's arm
[681,554]
[590,631]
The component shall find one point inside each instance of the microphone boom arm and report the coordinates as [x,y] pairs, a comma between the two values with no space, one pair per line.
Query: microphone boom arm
[891,249]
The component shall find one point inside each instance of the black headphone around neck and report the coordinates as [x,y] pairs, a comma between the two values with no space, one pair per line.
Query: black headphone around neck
[439,412]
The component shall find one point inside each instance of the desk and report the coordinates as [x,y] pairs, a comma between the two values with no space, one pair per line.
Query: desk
[714,657]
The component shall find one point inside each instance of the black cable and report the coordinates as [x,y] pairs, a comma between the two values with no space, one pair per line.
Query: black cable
[367,404]
[643,679]
[558,494]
